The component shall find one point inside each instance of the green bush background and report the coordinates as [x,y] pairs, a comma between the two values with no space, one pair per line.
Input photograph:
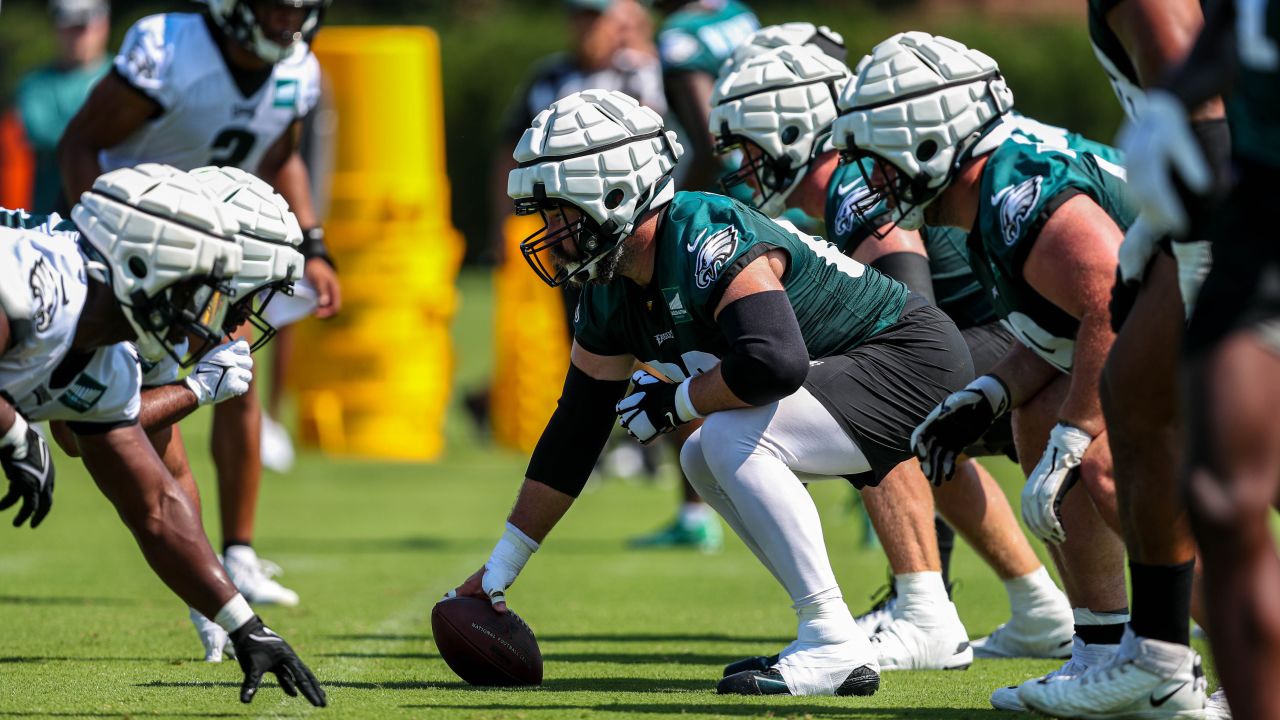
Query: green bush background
[488,46]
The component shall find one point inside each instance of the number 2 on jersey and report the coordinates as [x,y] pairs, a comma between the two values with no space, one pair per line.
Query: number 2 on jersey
[231,147]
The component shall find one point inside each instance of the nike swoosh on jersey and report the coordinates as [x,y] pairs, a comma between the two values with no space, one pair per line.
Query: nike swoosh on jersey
[842,189]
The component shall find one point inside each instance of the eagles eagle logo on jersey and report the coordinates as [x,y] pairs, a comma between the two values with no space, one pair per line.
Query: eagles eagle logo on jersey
[1016,204]
[44,295]
[845,215]
[713,252]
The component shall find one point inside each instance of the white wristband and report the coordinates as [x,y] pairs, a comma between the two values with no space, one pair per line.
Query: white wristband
[197,390]
[684,405]
[234,614]
[514,548]
[994,390]
[16,437]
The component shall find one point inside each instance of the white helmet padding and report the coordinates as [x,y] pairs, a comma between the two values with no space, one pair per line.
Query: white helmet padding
[772,37]
[167,249]
[920,103]
[269,234]
[602,153]
[783,101]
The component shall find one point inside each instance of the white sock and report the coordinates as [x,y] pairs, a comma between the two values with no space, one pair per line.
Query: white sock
[920,595]
[693,513]
[1031,591]
[824,618]
[1085,616]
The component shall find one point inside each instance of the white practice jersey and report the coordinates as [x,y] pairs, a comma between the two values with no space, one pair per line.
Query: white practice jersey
[41,375]
[206,119]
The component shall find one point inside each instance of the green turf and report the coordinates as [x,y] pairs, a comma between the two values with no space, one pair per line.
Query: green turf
[87,631]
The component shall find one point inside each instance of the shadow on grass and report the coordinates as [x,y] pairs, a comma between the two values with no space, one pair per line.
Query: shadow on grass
[327,684]
[72,600]
[423,543]
[770,640]
[762,707]
[678,658]
[45,658]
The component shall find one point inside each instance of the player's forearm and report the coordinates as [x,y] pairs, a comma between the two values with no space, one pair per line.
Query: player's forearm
[1210,69]
[538,508]
[163,520]
[1024,373]
[1082,406]
[7,415]
[294,184]
[78,164]
[165,405]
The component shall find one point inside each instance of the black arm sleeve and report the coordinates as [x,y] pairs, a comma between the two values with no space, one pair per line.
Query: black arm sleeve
[767,359]
[1214,137]
[576,433]
[910,269]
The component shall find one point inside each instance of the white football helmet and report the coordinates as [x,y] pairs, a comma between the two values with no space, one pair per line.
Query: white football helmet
[772,37]
[166,250]
[268,233]
[783,102]
[236,19]
[602,153]
[919,104]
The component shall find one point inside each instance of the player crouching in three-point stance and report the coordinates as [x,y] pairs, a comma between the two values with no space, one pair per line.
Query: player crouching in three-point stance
[784,347]
[148,260]
[1045,210]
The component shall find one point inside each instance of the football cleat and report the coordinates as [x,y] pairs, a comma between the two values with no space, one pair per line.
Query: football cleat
[1082,658]
[1145,678]
[215,640]
[276,447]
[942,644]
[1033,635]
[252,577]
[758,663]
[1216,707]
[862,681]
[881,613]
[702,534]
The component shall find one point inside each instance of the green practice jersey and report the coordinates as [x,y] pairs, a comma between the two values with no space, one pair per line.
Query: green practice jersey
[1253,105]
[702,243]
[47,99]
[958,292]
[701,36]
[1030,174]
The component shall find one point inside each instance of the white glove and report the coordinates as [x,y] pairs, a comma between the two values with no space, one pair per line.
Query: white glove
[1156,146]
[1139,246]
[956,424]
[222,374]
[1195,259]
[1055,474]
[654,407]
[505,563]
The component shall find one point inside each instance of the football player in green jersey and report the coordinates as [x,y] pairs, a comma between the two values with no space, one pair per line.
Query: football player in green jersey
[795,357]
[1045,212]
[1232,340]
[776,109]
[1138,42]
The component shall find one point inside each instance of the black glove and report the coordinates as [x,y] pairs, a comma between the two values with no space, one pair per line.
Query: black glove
[956,424]
[260,651]
[27,464]
[654,407]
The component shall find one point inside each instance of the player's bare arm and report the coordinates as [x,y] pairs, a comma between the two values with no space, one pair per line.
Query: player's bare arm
[1072,264]
[1157,35]
[113,112]
[1024,373]
[284,167]
[689,94]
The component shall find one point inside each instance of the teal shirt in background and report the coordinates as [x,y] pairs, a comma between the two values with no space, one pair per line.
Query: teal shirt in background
[47,99]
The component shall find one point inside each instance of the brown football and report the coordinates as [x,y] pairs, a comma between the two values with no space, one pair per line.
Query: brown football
[483,646]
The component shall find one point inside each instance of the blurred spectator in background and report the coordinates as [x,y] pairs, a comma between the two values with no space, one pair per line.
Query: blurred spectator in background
[49,97]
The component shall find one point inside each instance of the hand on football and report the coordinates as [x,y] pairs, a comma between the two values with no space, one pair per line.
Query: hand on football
[1056,473]
[474,587]
[260,651]
[324,279]
[222,374]
[27,464]
[956,424]
[1158,147]
[652,408]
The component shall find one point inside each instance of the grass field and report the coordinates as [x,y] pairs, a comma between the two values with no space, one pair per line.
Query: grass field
[87,631]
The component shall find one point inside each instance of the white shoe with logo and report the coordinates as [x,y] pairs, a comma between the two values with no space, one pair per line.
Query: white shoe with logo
[1216,707]
[252,577]
[1044,631]
[1145,679]
[924,641]
[275,446]
[215,640]
[1082,658]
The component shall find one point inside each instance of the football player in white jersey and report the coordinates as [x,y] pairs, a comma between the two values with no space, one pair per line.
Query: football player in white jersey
[149,262]
[229,87]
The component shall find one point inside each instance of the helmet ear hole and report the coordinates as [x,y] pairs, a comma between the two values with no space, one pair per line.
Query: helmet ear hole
[137,266]
[614,198]
[790,134]
[926,150]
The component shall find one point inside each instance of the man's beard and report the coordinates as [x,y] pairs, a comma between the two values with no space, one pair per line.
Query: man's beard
[603,271]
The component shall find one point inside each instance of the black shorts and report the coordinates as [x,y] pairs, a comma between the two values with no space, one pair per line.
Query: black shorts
[1242,291]
[987,345]
[881,390]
